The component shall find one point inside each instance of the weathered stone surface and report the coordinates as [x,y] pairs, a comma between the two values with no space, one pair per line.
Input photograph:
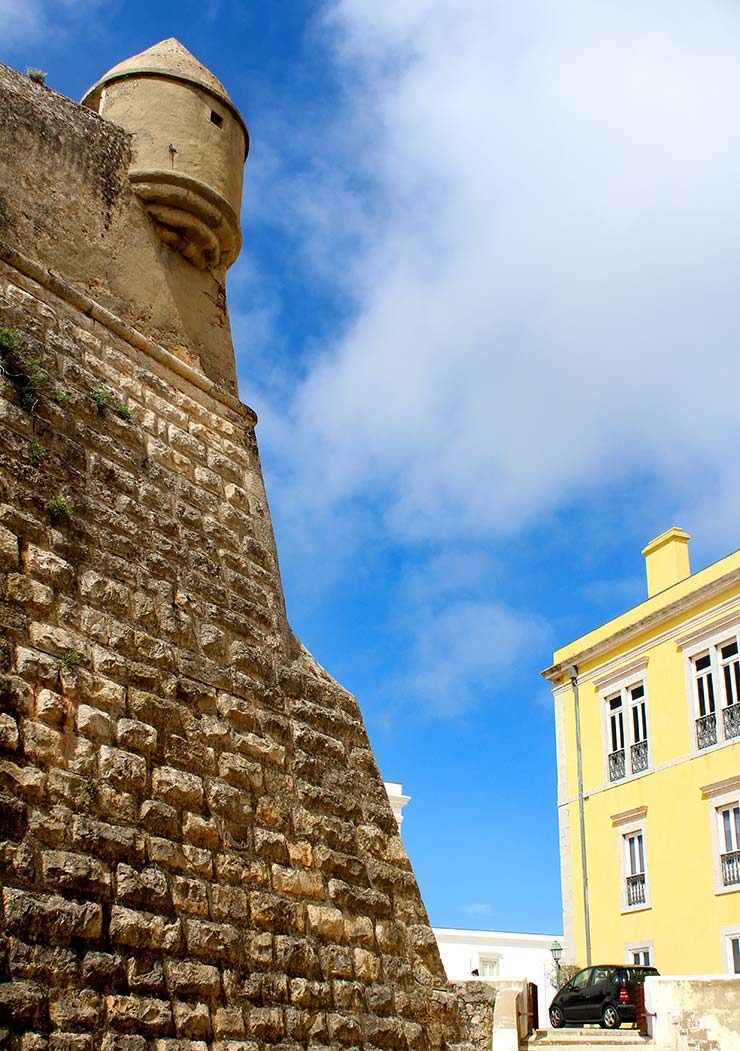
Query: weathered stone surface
[197,848]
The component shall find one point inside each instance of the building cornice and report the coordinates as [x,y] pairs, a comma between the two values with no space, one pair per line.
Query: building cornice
[641,624]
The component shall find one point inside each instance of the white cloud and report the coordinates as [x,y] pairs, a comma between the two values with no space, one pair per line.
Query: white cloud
[477,909]
[546,262]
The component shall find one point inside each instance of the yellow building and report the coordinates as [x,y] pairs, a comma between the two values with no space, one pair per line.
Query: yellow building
[648,752]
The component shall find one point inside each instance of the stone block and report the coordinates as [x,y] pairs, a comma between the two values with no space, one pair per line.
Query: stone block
[238,771]
[60,1041]
[93,722]
[24,782]
[271,845]
[41,743]
[75,1009]
[229,903]
[113,842]
[180,857]
[8,548]
[138,1014]
[325,922]
[344,1029]
[349,996]
[189,979]
[201,832]
[177,788]
[359,930]
[75,872]
[159,818]
[297,957]
[123,1042]
[50,918]
[306,993]
[265,1023]
[301,883]
[49,567]
[367,965]
[148,887]
[215,941]
[124,770]
[144,930]
[145,974]
[136,736]
[102,970]
[50,965]
[192,1020]
[190,896]
[228,1021]
[21,1003]
[8,733]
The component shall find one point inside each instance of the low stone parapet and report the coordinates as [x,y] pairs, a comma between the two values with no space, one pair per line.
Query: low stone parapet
[694,1010]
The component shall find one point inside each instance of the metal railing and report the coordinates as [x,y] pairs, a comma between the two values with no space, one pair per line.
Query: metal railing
[639,756]
[636,889]
[706,730]
[731,720]
[616,765]
[730,868]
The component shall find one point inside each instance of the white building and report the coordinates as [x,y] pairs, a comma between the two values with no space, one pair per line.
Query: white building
[492,954]
[500,954]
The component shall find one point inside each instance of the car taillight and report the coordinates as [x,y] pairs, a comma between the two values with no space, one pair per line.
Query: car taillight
[624,996]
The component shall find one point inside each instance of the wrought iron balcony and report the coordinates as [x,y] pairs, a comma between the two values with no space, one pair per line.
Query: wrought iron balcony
[706,730]
[731,720]
[730,868]
[616,765]
[636,889]
[639,756]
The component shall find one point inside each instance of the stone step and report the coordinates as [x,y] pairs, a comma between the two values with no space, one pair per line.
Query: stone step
[596,1038]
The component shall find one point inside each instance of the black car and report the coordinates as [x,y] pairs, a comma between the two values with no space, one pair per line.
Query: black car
[602,994]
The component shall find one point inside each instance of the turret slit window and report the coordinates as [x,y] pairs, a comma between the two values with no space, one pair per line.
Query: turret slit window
[216,119]
[627,731]
[716,679]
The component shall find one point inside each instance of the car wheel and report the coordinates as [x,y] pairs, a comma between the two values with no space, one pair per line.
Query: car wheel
[610,1017]
[557,1018]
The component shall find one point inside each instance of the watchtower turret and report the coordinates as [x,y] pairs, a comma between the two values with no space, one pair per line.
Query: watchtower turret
[189,144]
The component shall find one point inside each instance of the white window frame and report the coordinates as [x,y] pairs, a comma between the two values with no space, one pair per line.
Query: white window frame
[643,946]
[622,685]
[729,934]
[628,829]
[710,643]
[721,795]
[488,958]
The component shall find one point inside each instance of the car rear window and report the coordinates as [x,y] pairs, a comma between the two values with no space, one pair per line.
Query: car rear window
[639,974]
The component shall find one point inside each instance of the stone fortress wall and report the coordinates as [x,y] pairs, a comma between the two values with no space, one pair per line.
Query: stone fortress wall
[197,850]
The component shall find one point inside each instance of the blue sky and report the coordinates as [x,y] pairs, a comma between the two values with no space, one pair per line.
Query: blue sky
[487,312]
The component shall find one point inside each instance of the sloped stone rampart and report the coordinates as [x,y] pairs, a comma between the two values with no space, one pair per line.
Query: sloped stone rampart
[196,848]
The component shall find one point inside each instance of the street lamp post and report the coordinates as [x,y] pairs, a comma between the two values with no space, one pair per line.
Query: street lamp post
[557,951]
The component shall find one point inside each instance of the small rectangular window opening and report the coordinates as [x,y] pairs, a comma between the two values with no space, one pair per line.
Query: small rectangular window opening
[216,118]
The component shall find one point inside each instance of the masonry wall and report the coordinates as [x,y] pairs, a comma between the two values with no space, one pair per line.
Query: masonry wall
[197,850]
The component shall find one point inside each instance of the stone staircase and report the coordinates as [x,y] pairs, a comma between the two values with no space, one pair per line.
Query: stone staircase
[589,1038]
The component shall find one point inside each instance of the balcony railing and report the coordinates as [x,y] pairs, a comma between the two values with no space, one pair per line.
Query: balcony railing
[730,868]
[636,889]
[731,720]
[639,756]
[616,765]
[706,730]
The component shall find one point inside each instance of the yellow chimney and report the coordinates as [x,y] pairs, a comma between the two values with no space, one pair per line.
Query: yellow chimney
[667,560]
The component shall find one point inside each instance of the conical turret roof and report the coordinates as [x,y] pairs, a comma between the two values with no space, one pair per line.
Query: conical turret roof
[168,59]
